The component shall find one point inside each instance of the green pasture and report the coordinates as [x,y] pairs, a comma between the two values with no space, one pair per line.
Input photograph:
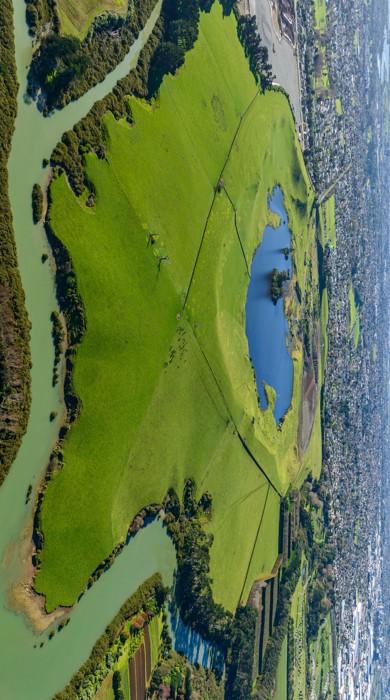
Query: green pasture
[321,663]
[155,628]
[320,15]
[76,16]
[281,676]
[163,371]
[354,323]
[328,211]
[106,691]
[339,108]
[265,545]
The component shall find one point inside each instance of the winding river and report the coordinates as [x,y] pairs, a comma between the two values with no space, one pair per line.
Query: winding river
[28,670]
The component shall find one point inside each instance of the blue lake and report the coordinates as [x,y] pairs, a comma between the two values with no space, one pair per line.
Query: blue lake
[266,325]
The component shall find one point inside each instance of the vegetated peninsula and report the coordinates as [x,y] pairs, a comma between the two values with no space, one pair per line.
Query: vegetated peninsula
[161,263]
[14,324]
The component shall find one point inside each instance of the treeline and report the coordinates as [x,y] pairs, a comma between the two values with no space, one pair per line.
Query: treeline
[181,22]
[233,635]
[14,323]
[238,684]
[193,591]
[152,590]
[257,53]
[58,335]
[72,307]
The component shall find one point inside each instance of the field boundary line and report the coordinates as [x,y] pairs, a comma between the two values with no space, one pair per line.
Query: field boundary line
[215,194]
[254,545]
[237,231]
[242,440]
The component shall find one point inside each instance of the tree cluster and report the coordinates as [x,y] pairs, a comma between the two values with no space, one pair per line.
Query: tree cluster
[193,591]
[235,636]
[40,13]
[59,63]
[320,593]
[181,21]
[238,684]
[37,203]
[117,686]
[58,336]
[277,280]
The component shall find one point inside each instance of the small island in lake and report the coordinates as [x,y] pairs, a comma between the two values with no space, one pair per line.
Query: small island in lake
[277,283]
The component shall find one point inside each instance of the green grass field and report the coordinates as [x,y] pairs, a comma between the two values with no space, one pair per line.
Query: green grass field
[106,691]
[281,676]
[329,227]
[324,334]
[164,389]
[354,323]
[320,15]
[76,16]
[321,663]
[155,627]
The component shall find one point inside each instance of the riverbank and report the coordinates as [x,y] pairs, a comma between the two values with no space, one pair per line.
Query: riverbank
[15,395]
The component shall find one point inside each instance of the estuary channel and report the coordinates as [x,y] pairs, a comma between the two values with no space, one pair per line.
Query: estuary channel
[28,670]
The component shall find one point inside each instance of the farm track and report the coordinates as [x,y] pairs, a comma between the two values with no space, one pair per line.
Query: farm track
[254,545]
[242,118]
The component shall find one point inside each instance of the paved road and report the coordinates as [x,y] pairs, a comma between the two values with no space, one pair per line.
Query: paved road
[284,62]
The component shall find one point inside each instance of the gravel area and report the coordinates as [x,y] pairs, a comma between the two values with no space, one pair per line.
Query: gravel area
[283,60]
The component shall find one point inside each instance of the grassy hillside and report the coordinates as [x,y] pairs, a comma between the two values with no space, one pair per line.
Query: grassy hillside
[166,384]
[76,16]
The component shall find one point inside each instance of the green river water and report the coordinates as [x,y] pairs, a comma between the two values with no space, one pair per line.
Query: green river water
[28,672]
